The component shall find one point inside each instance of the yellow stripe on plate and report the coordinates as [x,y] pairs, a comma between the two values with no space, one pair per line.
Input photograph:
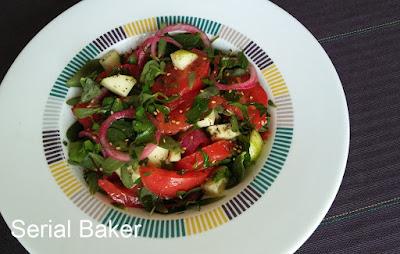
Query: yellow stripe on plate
[223,216]
[73,189]
[55,165]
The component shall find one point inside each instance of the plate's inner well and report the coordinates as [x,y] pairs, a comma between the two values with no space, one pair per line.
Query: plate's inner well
[57,118]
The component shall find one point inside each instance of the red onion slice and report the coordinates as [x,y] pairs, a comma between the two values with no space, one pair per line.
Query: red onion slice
[191,140]
[147,151]
[108,148]
[250,83]
[186,28]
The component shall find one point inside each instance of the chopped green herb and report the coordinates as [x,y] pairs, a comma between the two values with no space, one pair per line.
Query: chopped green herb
[90,89]
[89,68]
[191,79]
[162,45]
[74,101]
[109,165]
[91,179]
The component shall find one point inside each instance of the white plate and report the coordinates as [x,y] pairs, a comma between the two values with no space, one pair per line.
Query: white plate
[311,122]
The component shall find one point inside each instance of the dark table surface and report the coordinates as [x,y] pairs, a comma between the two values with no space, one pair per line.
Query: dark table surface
[362,37]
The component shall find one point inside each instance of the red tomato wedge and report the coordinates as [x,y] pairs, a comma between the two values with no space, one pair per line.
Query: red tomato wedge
[216,152]
[218,100]
[182,82]
[177,122]
[120,194]
[255,94]
[166,183]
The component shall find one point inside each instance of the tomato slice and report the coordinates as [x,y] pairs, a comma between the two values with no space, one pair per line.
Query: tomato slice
[255,117]
[255,94]
[182,82]
[218,100]
[177,122]
[120,194]
[166,183]
[216,152]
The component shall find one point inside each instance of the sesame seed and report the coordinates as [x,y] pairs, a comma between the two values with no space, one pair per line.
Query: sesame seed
[204,58]
[173,121]
[177,122]
[112,112]
[118,148]
[181,111]
[251,97]
[168,74]
[213,102]
[230,91]
[155,113]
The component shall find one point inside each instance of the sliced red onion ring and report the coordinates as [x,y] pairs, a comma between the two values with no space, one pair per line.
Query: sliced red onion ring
[147,151]
[191,140]
[165,38]
[89,134]
[186,28]
[108,148]
[250,83]
[141,50]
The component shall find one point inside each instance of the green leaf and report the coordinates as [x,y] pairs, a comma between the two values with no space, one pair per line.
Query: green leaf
[145,136]
[189,41]
[191,79]
[271,103]
[239,60]
[90,89]
[76,152]
[97,159]
[73,101]
[260,107]
[117,105]
[234,123]
[148,199]
[239,166]
[109,165]
[88,145]
[86,112]
[126,177]
[90,67]
[163,109]
[206,160]
[91,179]
[151,70]
[171,144]
[221,173]
[200,105]
[73,131]
[162,46]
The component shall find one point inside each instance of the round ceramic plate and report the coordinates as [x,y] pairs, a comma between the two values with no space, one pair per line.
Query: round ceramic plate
[279,203]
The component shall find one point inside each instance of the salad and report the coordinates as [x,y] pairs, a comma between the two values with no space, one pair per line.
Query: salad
[169,125]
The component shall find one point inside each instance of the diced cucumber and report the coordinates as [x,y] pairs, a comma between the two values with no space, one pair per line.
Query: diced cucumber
[216,185]
[174,156]
[119,84]
[110,60]
[134,172]
[256,144]
[183,58]
[222,131]
[158,155]
[208,120]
